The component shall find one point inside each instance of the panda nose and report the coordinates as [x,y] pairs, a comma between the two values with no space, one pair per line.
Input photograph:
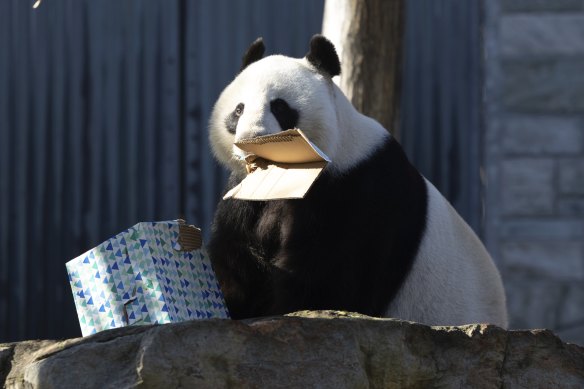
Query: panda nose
[250,130]
[247,134]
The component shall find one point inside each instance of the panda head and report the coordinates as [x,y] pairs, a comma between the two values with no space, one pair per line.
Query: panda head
[277,93]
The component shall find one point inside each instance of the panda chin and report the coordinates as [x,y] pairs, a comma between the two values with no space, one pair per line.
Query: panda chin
[237,167]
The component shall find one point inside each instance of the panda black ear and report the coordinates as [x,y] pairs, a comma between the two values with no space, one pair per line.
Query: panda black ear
[323,56]
[254,53]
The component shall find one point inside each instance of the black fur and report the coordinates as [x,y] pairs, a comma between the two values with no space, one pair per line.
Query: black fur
[254,53]
[323,56]
[348,245]
[287,117]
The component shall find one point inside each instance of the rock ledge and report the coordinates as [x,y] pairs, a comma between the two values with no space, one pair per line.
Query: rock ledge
[304,349]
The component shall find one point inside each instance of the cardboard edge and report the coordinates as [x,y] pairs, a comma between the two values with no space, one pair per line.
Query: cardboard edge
[321,165]
[315,147]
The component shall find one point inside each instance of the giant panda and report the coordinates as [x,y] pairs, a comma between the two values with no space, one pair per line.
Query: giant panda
[371,236]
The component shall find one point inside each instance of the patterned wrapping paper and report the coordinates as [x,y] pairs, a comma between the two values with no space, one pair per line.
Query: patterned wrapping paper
[141,276]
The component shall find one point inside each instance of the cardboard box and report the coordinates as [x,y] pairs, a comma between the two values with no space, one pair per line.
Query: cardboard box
[155,272]
[280,166]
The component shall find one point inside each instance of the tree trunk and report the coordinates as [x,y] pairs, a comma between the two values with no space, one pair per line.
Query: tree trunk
[368,38]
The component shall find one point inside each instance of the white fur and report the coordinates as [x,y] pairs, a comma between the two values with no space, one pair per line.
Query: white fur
[453,280]
[321,104]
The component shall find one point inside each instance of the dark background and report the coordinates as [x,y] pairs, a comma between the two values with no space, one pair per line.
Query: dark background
[103,114]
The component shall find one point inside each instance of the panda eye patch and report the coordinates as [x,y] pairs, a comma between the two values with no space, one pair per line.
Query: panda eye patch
[233,118]
[286,116]
[239,109]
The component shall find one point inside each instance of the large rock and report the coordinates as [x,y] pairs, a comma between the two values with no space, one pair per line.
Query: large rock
[306,349]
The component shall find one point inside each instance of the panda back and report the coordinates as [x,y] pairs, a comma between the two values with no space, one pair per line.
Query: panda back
[453,280]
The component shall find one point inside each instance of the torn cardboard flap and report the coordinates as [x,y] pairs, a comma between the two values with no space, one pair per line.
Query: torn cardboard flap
[282,166]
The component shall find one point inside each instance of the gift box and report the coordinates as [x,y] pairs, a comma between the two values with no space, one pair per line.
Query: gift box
[155,272]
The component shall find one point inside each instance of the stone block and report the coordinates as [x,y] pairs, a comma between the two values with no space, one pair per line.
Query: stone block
[556,259]
[542,35]
[547,134]
[572,176]
[531,300]
[509,6]
[543,86]
[526,186]
[540,228]
[571,305]
[573,207]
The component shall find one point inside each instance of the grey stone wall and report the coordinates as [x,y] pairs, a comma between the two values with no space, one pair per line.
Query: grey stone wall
[534,159]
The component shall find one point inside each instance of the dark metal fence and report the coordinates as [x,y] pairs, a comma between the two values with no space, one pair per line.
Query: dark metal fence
[103,113]
[441,100]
